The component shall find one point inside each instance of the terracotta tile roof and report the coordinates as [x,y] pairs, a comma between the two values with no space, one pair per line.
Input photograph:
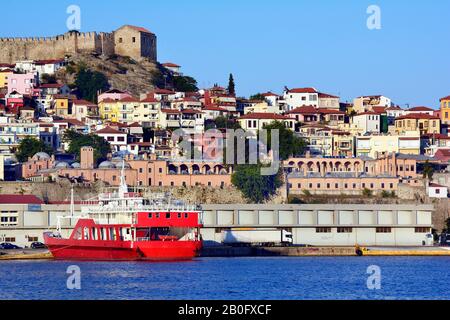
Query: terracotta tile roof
[83,103]
[394,108]
[214,108]
[420,109]
[173,111]
[140,29]
[379,109]
[304,110]
[303,90]
[109,130]
[19,199]
[414,116]
[171,65]
[445,98]
[163,91]
[269,94]
[326,95]
[149,99]
[435,185]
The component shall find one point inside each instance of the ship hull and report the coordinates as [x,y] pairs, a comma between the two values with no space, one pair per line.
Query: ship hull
[67,249]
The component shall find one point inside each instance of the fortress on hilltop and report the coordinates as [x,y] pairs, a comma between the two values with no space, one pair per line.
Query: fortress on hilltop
[134,42]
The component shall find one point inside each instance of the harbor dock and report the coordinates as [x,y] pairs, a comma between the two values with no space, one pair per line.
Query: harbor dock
[229,251]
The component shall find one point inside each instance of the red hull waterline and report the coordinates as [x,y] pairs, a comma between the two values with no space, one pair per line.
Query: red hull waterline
[67,249]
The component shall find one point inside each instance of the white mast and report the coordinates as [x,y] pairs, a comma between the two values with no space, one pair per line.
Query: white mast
[123,189]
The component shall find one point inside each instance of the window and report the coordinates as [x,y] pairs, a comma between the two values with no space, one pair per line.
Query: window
[323,230]
[345,230]
[422,230]
[384,230]
[10,239]
[134,39]
[121,139]
[120,40]
[150,215]
[179,215]
[167,215]
[33,239]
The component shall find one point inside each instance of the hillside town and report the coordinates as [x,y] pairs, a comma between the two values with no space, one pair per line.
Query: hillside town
[369,144]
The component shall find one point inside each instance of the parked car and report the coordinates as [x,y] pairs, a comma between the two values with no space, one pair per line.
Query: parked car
[38,245]
[9,246]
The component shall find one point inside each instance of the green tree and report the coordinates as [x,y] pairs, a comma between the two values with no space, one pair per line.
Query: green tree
[48,78]
[258,97]
[226,123]
[29,146]
[254,186]
[78,140]
[185,84]
[428,171]
[367,193]
[290,145]
[231,85]
[89,83]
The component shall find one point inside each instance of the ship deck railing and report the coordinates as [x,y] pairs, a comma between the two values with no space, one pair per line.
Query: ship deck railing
[120,209]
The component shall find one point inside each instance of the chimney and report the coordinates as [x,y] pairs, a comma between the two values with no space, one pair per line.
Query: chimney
[87,158]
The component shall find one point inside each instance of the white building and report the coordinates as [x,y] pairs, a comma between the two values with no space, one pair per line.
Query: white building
[419,110]
[367,122]
[325,224]
[301,97]
[41,66]
[437,191]
[256,121]
[116,138]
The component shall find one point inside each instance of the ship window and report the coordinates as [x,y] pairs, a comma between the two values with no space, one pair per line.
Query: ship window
[150,215]
[167,215]
[179,216]
[112,234]
[102,233]
[186,215]
[157,215]
[94,234]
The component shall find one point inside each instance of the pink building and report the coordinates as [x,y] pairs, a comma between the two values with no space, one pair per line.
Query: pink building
[23,83]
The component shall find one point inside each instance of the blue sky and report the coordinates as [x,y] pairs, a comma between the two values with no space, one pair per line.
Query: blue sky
[271,44]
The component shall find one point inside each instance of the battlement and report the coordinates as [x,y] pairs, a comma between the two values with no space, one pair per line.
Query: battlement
[55,47]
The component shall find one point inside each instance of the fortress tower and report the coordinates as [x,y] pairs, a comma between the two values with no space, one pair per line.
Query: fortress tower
[135,42]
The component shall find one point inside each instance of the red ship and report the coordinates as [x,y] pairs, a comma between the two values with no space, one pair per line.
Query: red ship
[122,226]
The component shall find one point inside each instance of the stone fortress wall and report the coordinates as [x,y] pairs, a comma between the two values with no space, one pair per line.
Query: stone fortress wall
[16,49]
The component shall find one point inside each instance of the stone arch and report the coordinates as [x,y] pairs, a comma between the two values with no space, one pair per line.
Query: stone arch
[184,169]
[196,169]
[173,169]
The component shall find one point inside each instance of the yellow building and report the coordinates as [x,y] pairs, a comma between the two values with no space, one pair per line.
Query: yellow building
[422,122]
[118,110]
[147,112]
[62,105]
[372,146]
[445,110]
[4,74]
